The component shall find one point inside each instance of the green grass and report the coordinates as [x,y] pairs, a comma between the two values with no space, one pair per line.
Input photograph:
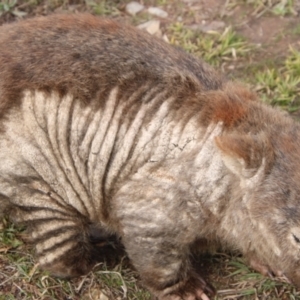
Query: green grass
[7,6]
[242,282]
[214,47]
[281,86]
[275,7]
[21,278]
[103,8]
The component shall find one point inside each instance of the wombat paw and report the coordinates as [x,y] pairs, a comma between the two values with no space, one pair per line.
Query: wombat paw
[265,270]
[200,295]
[195,288]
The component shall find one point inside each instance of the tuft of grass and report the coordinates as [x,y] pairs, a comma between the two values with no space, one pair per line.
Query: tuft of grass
[213,47]
[7,6]
[161,2]
[244,283]
[102,8]
[10,7]
[276,7]
[284,7]
[8,235]
[282,85]
[292,62]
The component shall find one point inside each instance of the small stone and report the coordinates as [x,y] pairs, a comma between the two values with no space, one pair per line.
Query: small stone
[157,12]
[152,27]
[213,26]
[134,8]
[166,39]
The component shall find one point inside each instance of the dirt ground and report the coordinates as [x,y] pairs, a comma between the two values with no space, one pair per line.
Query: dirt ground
[270,29]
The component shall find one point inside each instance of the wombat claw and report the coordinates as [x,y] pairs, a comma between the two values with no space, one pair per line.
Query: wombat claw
[196,288]
[267,271]
[199,295]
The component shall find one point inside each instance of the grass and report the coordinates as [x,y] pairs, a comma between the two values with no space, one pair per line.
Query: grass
[214,47]
[103,8]
[281,86]
[277,86]
[7,6]
[21,278]
[277,83]
[274,7]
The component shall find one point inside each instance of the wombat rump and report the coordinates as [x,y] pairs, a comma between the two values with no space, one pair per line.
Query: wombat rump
[105,130]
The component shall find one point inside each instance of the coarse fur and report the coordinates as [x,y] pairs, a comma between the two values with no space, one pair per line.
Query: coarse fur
[106,131]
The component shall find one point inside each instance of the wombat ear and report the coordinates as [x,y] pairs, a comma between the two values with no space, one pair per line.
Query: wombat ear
[244,155]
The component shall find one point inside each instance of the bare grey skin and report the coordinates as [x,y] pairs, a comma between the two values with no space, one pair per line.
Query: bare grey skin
[106,129]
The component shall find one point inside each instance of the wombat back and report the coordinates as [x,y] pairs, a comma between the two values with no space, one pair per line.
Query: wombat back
[84,54]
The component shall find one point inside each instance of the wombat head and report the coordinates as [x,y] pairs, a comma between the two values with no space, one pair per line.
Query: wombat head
[265,217]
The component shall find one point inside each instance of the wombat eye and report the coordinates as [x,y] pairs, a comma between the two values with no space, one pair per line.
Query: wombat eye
[296,239]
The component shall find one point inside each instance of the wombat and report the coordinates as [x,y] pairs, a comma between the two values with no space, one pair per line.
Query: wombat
[108,131]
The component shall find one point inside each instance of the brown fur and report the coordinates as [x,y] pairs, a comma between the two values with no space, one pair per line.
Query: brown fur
[220,168]
[69,73]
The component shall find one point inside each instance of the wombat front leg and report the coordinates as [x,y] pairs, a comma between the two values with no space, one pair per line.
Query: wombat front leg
[164,267]
[157,240]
